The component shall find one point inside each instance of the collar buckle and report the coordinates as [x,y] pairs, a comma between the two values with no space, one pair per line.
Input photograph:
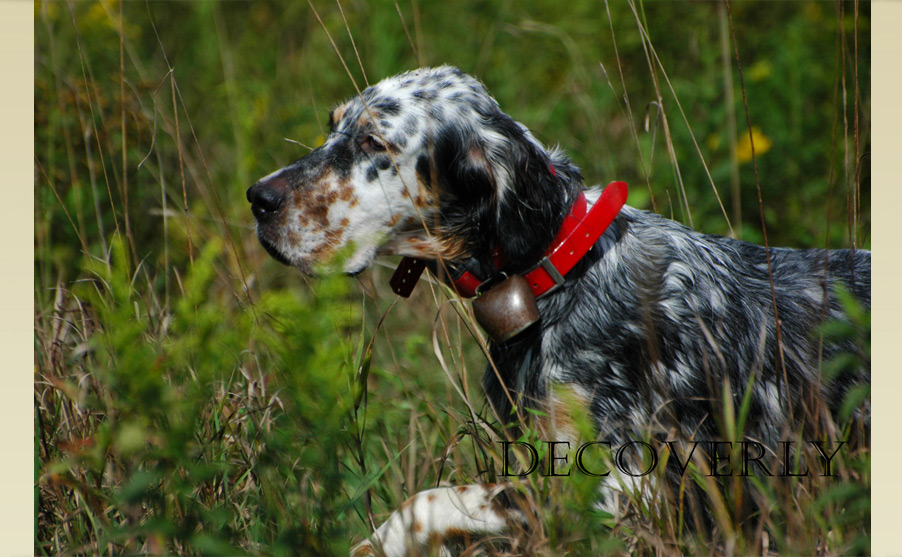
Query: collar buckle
[553,272]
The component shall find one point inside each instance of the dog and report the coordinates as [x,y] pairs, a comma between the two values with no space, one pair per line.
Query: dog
[643,328]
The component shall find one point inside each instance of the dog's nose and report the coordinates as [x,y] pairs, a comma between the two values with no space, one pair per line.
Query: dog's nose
[266,197]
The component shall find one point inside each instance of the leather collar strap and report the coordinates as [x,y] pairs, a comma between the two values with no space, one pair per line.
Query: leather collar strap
[579,232]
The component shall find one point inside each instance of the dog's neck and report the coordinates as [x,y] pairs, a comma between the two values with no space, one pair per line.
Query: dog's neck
[579,229]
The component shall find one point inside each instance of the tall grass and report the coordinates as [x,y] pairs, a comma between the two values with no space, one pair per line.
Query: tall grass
[192,396]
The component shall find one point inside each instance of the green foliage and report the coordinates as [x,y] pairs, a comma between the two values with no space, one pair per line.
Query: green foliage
[187,457]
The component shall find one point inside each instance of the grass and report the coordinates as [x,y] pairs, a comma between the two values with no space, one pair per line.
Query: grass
[191,396]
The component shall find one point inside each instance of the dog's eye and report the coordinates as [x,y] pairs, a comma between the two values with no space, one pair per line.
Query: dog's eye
[370,143]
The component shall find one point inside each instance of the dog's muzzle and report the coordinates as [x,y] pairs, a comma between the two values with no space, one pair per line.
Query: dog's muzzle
[266,198]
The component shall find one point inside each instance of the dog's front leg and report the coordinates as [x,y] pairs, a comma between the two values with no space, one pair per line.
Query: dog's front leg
[431,517]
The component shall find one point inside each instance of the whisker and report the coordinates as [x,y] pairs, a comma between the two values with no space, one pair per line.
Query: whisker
[309,148]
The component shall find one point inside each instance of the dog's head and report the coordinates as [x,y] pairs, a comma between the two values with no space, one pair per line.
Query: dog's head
[422,164]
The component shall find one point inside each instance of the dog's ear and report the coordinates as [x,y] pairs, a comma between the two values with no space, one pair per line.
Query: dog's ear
[498,188]
[534,192]
[465,192]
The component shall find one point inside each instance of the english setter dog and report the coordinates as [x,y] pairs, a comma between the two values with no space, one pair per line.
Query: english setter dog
[642,327]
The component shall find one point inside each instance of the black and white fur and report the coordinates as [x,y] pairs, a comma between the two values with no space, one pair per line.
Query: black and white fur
[646,330]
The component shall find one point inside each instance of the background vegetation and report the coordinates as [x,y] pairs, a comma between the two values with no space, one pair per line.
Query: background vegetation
[193,396]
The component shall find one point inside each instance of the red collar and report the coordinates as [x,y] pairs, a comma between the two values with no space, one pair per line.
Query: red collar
[579,232]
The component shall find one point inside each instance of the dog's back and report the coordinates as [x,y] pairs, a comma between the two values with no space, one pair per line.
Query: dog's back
[663,317]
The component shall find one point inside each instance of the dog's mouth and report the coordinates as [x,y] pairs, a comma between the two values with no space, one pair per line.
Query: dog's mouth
[303,266]
[272,251]
[328,257]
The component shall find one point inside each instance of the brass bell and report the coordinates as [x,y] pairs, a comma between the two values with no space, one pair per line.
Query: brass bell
[506,309]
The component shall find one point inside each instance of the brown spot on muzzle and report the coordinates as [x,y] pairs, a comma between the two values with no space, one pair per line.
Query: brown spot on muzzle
[320,206]
[314,201]
[346,192]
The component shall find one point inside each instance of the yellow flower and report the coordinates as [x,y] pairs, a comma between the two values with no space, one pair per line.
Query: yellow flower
[744,147]
[759,71]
